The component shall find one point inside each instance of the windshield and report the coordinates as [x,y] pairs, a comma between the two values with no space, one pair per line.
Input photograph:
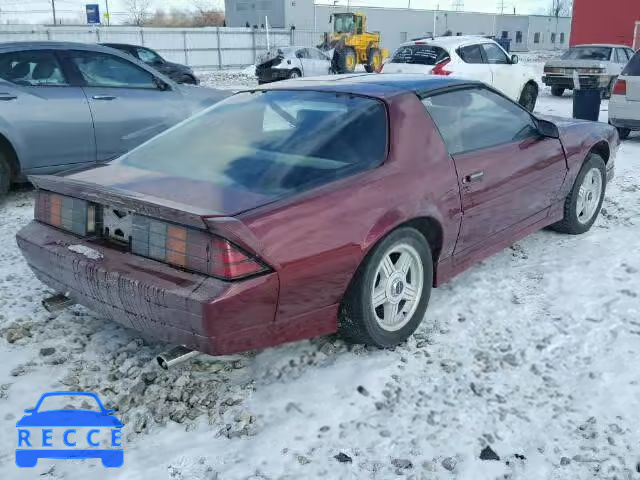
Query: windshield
[272,143]
[588,53]
[420,54]
[66,402]
[344,24]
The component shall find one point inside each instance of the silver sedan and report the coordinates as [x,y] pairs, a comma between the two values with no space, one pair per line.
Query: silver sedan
[69,104]
[292,62]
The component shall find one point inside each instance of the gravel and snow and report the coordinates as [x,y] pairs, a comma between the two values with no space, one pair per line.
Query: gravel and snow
[529,357]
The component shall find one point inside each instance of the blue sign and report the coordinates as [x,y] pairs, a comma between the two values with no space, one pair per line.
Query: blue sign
[100,435]
[93,13]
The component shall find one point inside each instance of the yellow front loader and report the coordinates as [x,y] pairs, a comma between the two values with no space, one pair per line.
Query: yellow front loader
[352,44]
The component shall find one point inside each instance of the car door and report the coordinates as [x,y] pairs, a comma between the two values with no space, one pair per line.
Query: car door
[129,104]
[474,64]
[322,64]
[307,64]
[509,175]
[506,76]
[45,116]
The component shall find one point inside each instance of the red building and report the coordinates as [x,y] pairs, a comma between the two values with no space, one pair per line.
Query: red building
[610,21]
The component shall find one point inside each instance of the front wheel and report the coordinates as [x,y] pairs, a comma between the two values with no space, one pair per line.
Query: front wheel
[389,295]
[529,96]
[347,60]
[583,204]
[623,133]
[374,60]
[294,74]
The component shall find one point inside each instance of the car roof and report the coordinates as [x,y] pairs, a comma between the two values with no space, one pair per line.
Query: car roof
[450,41]
[372,84]
[608,45]
[41,44]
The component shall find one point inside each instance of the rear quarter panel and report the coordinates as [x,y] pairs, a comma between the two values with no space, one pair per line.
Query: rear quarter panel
[317,241]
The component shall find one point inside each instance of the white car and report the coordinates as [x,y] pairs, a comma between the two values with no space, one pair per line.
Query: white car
[624,106]
[476,58]
[292,62]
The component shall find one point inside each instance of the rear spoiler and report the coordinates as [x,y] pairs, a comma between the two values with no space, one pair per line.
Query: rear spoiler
[143,204]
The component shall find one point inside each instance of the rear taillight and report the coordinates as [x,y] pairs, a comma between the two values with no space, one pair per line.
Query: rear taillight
[191,249]
[68,213]
[439,68]
[620,88]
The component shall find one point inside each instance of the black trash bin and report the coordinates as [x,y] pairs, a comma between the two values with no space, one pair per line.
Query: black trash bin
[586,104]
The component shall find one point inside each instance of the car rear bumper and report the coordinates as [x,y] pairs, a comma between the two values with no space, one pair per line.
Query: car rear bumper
[200,312]
[625,123]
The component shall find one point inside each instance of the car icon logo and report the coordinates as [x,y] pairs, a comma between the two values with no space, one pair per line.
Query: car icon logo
[69,433]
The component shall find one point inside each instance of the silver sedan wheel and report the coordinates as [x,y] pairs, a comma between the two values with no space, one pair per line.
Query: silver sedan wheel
[397,287]
[294,74]
[589,195]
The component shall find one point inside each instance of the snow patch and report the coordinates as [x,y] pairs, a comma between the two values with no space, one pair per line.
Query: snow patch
[86,251]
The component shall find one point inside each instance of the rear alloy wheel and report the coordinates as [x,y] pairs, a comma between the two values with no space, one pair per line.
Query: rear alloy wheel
[294,74]
[557,91]
[5,175]
[389,294]
[584,202]
[529,96]
[624,133]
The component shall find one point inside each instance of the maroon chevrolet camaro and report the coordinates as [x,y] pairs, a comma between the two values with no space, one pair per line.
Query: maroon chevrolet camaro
[312,207]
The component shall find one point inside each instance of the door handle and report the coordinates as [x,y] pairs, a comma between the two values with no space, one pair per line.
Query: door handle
[103,97]
[5,97]
[473,177]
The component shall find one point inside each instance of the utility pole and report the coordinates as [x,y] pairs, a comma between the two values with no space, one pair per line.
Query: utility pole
[501,7]
[53,11]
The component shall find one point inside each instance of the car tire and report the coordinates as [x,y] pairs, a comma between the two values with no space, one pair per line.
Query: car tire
[374,60]
[529,96]
[623,133]
[295,73]
[557,91]
[347,60]
[362,318]
[581,209]
[187,80]
[5,175]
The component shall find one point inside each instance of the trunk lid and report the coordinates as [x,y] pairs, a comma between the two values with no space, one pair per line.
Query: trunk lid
[393,67]
[154,194]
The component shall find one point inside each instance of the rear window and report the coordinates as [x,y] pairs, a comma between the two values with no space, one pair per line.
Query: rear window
[274,142]
[633,67]
[587,53]
[420,54]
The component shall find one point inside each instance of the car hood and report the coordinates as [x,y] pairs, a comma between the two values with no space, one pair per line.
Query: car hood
[175,67]
[198,97]
[576,63]
[575,132]
[69,418]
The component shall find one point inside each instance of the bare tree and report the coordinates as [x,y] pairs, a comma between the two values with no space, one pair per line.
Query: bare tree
[138,11]
[560,8]
[207,15]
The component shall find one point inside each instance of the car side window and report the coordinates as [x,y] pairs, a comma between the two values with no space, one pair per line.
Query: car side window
[494,54]
[630,53]
[621,56]
[471,54]
[302,53]
[477,118]
[32,68]
[147,56]
[104,70]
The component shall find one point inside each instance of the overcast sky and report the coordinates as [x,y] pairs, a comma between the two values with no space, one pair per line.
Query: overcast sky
[34,11]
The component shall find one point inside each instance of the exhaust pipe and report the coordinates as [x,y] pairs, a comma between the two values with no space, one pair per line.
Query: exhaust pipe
[175,356]
[57,303]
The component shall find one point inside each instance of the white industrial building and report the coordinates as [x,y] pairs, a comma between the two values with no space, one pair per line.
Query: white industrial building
[527,32]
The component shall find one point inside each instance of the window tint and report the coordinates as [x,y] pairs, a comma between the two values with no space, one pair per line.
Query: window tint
[31,68]
[471,54]
[103,70]
[358,25]
[474,119]
[633,67]
[588,53]
[274,142]
[420,54]
[148,56]
[495,54]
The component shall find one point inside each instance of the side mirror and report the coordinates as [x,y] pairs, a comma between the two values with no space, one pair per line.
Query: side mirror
[514,59]
[547,129]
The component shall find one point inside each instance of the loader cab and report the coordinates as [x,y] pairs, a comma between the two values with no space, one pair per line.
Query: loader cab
[352,23]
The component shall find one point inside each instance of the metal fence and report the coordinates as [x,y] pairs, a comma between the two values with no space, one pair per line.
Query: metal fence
[201,48]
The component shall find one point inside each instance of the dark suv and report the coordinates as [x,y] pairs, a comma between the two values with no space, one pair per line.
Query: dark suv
[175,71]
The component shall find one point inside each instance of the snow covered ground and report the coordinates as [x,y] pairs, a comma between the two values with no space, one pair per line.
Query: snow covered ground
[532,353]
